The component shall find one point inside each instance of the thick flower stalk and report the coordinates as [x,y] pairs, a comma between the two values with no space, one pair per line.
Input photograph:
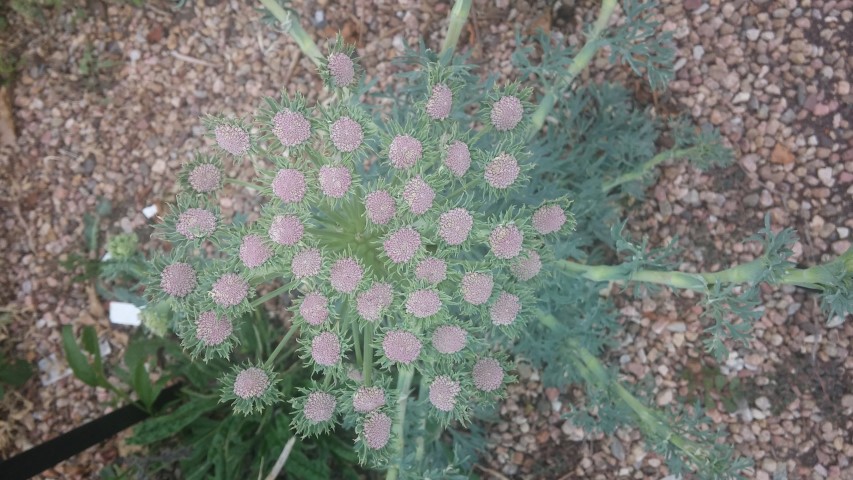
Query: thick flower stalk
[405,270]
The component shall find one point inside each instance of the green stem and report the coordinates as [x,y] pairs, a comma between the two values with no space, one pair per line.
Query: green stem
[356,342]
[420,442]
[812,277]
[367,366]
[280,346]
[236,181]
[269,296]
[458,17]
[404,384]
[646,167]
[579,63]
[651,422]
[292,27]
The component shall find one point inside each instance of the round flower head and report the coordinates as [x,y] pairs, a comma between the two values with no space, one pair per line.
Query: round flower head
[314,308]
[334,181]
[205,177]
[401,346]
[253,251]
[178,279]
[346,134]
[289,185]
[477,288]
[405,151]
[367,399]
[286,230]
[196,223]
[341,69]
[232,139]
[402,245]
[251,383]
[502,171]
[291,128]
[449,339]
[211,329]
[229,290]
[455,225]
[458,158]
[326,349]
[505,309]
[442,393]
[506,113]
[372,301]
[306,263]
[488,374]
[418,195]
[380,207]
[549,219]
[527,266]
[423,303]
[319,407]
[439,103]
[505,241]
[432,270]
[345,275]
[377,430]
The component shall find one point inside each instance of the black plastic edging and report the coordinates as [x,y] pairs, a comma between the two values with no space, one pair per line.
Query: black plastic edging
[41,457]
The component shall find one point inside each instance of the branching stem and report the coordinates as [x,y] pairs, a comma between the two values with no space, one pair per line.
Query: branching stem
[747,273]
[579,63]
[458,17]
[404,384]
[647,166]
[651,422]
[280,346]
[367,367]
[242,183]
[291,25]
[269,296]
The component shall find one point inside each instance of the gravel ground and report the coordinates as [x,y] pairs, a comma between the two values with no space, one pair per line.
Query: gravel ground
[107,104]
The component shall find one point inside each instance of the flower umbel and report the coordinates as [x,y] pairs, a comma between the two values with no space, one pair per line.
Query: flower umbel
[387,234]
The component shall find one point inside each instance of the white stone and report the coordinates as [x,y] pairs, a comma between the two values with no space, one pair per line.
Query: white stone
[741,97]
[825,176]
[752,34]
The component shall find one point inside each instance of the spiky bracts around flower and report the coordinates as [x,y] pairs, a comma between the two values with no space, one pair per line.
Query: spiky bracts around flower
[457,158]
[250,388]
[401,346]
[314,308]
[368,399]
[372,302]
[487,374]
[340,69]
[203,175]
[376,430]
[178,279]
[314,411]
[231,135]
[288,123]
[506,109]
[209,335]
[449,339]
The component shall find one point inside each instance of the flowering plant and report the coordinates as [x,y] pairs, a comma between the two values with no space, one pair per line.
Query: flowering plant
[423,242]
